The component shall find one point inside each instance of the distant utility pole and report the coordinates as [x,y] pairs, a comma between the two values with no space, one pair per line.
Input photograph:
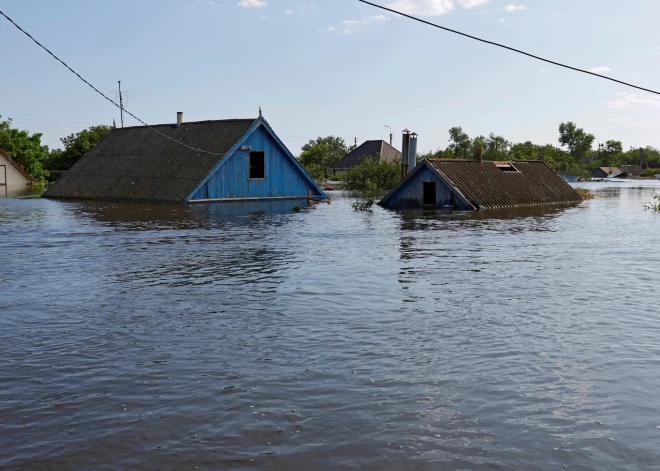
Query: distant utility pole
[390,133]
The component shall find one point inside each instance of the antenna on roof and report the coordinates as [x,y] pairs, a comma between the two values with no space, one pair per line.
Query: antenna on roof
[260,111]
[121,97]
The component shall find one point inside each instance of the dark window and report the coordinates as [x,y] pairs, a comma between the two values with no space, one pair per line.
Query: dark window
[257,165]
[429,193]
[506,167]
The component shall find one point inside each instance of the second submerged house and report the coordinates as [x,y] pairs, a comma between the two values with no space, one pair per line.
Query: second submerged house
[368,149]
[475,184]
[206,161]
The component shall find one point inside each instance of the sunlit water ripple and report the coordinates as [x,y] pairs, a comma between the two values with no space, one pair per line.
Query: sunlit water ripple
[253,337]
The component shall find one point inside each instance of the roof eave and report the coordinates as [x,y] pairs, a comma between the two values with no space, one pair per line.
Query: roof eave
[17,166]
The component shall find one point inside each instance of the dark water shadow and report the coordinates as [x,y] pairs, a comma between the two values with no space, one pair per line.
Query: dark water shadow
[22,193]
[533,218]
[132,216]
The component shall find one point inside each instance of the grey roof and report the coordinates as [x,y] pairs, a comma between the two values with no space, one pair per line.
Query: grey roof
[138,164]
[368,149]
[483,185]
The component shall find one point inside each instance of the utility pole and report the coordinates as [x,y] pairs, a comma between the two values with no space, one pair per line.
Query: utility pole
[121,105]
[118,99]
[390,133]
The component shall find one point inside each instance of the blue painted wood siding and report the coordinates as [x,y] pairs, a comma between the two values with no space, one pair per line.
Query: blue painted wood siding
[411,194]
[232,178]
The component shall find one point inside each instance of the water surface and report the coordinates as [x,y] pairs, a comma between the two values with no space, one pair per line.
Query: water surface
[254,337]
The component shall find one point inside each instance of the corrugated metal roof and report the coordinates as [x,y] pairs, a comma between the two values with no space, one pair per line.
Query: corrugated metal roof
[486,185]
[368,149]
[138,164]
[16,166]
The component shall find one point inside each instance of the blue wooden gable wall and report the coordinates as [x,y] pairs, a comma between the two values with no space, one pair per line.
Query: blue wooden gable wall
[285,177]
[410,193]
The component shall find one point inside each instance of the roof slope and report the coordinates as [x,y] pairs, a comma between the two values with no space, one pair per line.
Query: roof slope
[138,164]
[368,149]
[486,186]
[15,164]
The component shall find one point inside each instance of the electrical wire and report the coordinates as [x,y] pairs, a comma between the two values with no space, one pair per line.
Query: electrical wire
[105,97]
[492,43]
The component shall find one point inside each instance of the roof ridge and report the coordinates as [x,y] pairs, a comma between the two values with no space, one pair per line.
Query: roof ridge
[173,125]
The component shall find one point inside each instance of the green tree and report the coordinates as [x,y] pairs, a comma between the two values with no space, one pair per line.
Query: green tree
[316,172]
[75,146]
[438,154]
[526,151]
[611,153]
[576,140]
[496,148]
[24,148]
[323,152]
[371,179]
[372,174]
[459,143]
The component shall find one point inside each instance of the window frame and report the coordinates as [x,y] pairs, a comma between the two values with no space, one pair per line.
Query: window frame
[507,167]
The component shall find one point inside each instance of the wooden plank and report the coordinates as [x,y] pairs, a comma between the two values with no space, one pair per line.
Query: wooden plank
[213,200]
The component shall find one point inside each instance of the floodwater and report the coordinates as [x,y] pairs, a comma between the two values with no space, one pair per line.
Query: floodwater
[253,337]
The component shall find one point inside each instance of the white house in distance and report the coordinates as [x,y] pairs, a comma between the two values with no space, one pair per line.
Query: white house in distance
[13,179]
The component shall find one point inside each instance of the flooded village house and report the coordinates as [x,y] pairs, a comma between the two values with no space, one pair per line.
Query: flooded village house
[206,161]
[475,184]
[13,178]
[608,172]
[368,149]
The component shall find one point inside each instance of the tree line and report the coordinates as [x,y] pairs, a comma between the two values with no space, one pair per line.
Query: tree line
[576,152]
[40,161]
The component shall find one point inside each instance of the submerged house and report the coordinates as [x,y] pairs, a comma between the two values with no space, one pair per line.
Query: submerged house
[476,184]
[205,161]
[368,149]
[12,176]
[607,172]
[631,170]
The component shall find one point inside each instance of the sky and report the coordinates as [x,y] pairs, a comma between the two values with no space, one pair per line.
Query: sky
[336,67]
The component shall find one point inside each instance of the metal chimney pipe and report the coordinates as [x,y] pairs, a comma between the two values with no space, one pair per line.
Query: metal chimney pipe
[412,152]
[478,154]
[179,118]
[405,148]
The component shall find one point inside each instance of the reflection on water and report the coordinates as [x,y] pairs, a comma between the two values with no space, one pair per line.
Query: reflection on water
[126,216]
[249,336]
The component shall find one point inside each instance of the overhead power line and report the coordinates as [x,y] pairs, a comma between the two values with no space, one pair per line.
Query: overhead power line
[104,97]
[492,43]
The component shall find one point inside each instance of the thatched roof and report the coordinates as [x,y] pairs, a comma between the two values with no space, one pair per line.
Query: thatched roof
[138,164]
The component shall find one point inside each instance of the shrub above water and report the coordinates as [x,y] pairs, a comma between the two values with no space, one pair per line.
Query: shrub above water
[371,179]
